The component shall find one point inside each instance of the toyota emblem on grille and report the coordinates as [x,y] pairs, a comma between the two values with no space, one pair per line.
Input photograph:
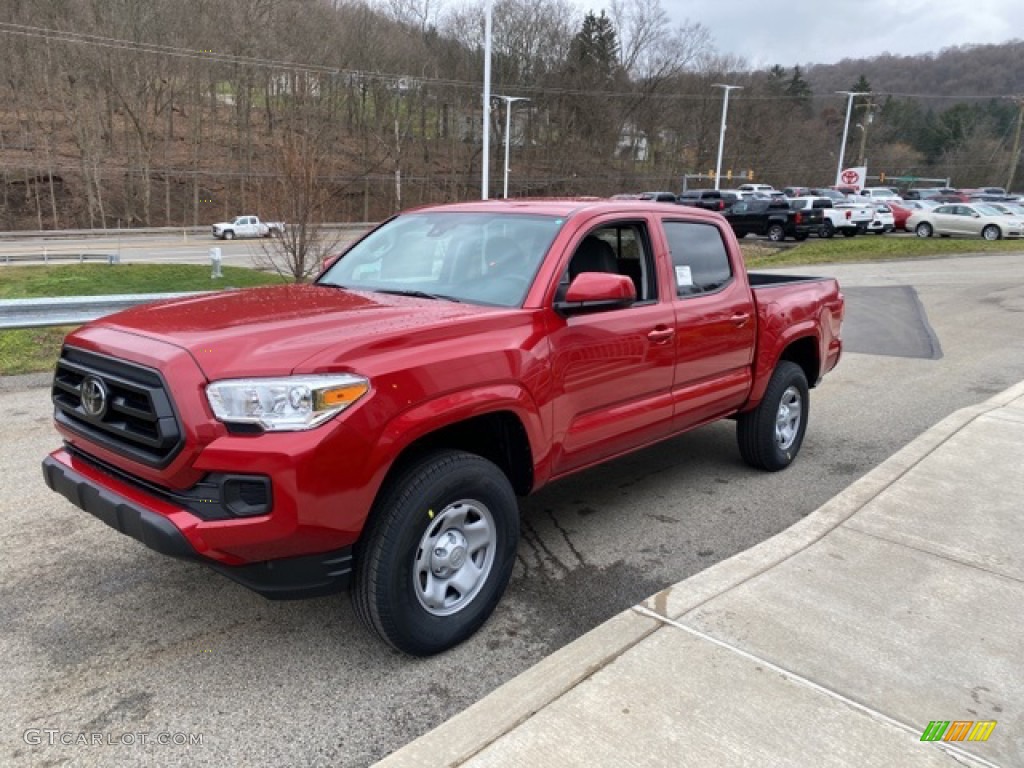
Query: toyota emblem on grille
[94,397]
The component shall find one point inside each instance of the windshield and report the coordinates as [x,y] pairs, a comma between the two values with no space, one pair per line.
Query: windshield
[481,258]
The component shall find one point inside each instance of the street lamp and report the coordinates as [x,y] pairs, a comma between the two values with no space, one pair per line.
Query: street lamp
[846,129]
[508,129]
[721,133]
[485,165]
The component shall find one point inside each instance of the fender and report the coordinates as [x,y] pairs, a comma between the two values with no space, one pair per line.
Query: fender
[765,363]
[453,407]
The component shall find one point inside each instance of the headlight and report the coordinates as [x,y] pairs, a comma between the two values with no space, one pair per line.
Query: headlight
[286,404]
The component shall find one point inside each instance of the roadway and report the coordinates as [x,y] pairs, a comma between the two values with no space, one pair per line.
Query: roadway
[102,635]
[130,248]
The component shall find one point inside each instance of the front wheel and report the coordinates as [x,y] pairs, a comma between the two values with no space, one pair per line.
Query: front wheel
[770,436]
[991,232]
[228,235]
[437,553]
[776,233]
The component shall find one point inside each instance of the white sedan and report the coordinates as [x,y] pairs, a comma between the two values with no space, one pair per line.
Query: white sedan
[970,219]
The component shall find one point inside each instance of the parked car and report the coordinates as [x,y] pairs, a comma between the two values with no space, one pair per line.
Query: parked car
[756,189]
[843,216]
[791,192]
[878,194]
[374,429]
[774,219]
[659,197]
[246,226]
[966,219]
[709,199]
[882,219]
[926,193]
[901,212]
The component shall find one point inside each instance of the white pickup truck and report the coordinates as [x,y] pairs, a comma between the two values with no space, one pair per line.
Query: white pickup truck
[849,218]
[247,226]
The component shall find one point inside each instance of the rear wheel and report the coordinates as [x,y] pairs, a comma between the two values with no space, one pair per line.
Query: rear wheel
[801,237]
[827,230]
[991,232]
[924,229]
[776,233]
[770,436]
[849,232]
[437,553]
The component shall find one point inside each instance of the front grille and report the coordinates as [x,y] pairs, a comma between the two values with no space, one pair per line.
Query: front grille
[126,407]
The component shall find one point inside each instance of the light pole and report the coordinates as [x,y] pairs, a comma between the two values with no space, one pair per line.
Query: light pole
[485,164]
[846,129]
[508,129]
[721,133]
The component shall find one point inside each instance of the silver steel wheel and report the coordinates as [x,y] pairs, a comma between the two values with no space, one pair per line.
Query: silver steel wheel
[787,418]
[454,557]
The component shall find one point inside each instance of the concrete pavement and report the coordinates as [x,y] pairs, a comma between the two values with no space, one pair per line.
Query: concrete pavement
[835,643]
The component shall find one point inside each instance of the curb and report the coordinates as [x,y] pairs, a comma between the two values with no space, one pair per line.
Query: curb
[474,729]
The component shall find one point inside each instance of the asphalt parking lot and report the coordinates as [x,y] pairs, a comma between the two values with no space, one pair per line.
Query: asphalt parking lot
[104,637]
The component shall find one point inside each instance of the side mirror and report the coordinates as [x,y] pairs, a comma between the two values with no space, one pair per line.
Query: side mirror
[595,291]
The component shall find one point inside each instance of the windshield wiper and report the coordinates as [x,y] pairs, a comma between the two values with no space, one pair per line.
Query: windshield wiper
[416,294]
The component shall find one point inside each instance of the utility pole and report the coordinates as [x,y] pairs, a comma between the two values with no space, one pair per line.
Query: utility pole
[869,117]
[1015,154]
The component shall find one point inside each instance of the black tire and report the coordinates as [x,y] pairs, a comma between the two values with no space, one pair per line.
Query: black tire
[776,233]
[850,232]
[762,445]
[991,232]
[228,235]
[827,230]
[924,229]
[801,237]
[395,558]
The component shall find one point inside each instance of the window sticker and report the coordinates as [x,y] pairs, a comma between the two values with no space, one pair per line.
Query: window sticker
[683,277]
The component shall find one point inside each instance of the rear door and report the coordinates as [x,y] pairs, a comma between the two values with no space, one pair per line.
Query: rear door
[612,370]
[715,324]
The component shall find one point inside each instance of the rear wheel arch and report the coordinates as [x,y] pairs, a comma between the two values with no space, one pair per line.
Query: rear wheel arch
[805,353]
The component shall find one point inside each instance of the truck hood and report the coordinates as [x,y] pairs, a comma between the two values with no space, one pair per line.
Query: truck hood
[272,331]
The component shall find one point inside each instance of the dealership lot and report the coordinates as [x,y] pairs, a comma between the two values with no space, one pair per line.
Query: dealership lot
[105,637]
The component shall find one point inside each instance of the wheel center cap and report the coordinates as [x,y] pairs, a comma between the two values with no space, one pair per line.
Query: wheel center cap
[457,557]
[449,553]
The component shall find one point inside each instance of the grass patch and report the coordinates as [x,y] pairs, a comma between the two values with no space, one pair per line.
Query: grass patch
[869,248]
[31,350]
[103,279]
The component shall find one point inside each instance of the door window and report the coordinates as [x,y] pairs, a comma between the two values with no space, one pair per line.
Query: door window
[700,261]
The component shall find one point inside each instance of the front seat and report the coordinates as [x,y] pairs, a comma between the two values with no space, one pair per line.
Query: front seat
[593,255]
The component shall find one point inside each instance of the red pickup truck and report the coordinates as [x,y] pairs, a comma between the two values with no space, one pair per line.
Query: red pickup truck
[374,429]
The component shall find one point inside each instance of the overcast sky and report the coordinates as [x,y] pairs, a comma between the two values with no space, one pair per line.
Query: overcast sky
[824,31]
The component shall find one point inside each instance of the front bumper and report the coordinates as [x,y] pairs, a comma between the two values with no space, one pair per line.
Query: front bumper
[281,579]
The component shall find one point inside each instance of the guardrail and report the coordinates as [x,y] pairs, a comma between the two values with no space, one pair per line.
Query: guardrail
[73,310]
[47,257]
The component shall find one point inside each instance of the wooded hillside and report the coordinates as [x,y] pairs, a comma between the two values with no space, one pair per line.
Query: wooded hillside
[182,112]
